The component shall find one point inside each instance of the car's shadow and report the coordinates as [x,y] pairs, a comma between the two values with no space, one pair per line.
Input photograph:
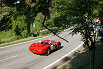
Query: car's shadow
[51,51]
[61,47]
[56,50]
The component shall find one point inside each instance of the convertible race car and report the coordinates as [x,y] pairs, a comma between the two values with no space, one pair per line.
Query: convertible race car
[44,47]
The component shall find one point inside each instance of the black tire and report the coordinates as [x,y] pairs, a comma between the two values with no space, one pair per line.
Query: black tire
[47,52]
[59,45]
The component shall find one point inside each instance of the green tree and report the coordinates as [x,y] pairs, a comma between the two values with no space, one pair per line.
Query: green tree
[81,13]
[29,8]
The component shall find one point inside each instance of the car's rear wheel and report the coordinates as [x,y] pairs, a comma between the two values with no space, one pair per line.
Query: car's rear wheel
[47,52]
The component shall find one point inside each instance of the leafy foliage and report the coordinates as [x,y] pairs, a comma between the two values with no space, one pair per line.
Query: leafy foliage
[19,24]
[81,13]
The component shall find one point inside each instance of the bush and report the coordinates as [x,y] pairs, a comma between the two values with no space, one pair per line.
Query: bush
[0,42]
[19,25]
[101,32]
[24,33]
[6,34]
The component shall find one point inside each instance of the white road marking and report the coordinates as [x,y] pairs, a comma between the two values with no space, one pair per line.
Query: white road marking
[18,45]
[67,61]
[11,57]
[28,41]
[24,42]
[63,56]
[62,65]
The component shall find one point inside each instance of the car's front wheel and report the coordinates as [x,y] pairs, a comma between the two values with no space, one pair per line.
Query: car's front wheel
[47,52]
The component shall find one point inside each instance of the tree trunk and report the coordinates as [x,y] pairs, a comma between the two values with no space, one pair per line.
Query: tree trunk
[28,28]
[91,50]
[28,21]
[92,55]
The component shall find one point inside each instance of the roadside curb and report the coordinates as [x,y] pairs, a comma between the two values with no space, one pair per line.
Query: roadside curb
[6,46]
[67,59]
[58,62]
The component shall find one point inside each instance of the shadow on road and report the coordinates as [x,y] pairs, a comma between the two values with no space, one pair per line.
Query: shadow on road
[50,52]
[82,60]
[57,49]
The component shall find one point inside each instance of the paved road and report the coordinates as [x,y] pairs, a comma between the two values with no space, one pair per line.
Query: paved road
[19,56]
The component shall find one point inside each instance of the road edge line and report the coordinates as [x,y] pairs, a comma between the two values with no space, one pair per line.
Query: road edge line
[63,56]
[23,42]
[26,41]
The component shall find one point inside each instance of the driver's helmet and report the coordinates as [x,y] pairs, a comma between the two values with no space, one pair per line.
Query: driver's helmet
[50,43]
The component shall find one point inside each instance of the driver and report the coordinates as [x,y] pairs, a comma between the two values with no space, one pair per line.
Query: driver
[50,43]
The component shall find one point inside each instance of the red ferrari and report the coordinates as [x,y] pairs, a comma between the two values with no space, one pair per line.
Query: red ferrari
[44,47]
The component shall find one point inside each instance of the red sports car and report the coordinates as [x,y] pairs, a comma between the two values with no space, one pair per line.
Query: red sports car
[44,47]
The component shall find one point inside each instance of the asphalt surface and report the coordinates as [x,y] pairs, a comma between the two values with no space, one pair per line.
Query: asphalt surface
[19,57]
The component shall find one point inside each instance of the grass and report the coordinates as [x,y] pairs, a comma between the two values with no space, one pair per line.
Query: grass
[23,40]
[82,60]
